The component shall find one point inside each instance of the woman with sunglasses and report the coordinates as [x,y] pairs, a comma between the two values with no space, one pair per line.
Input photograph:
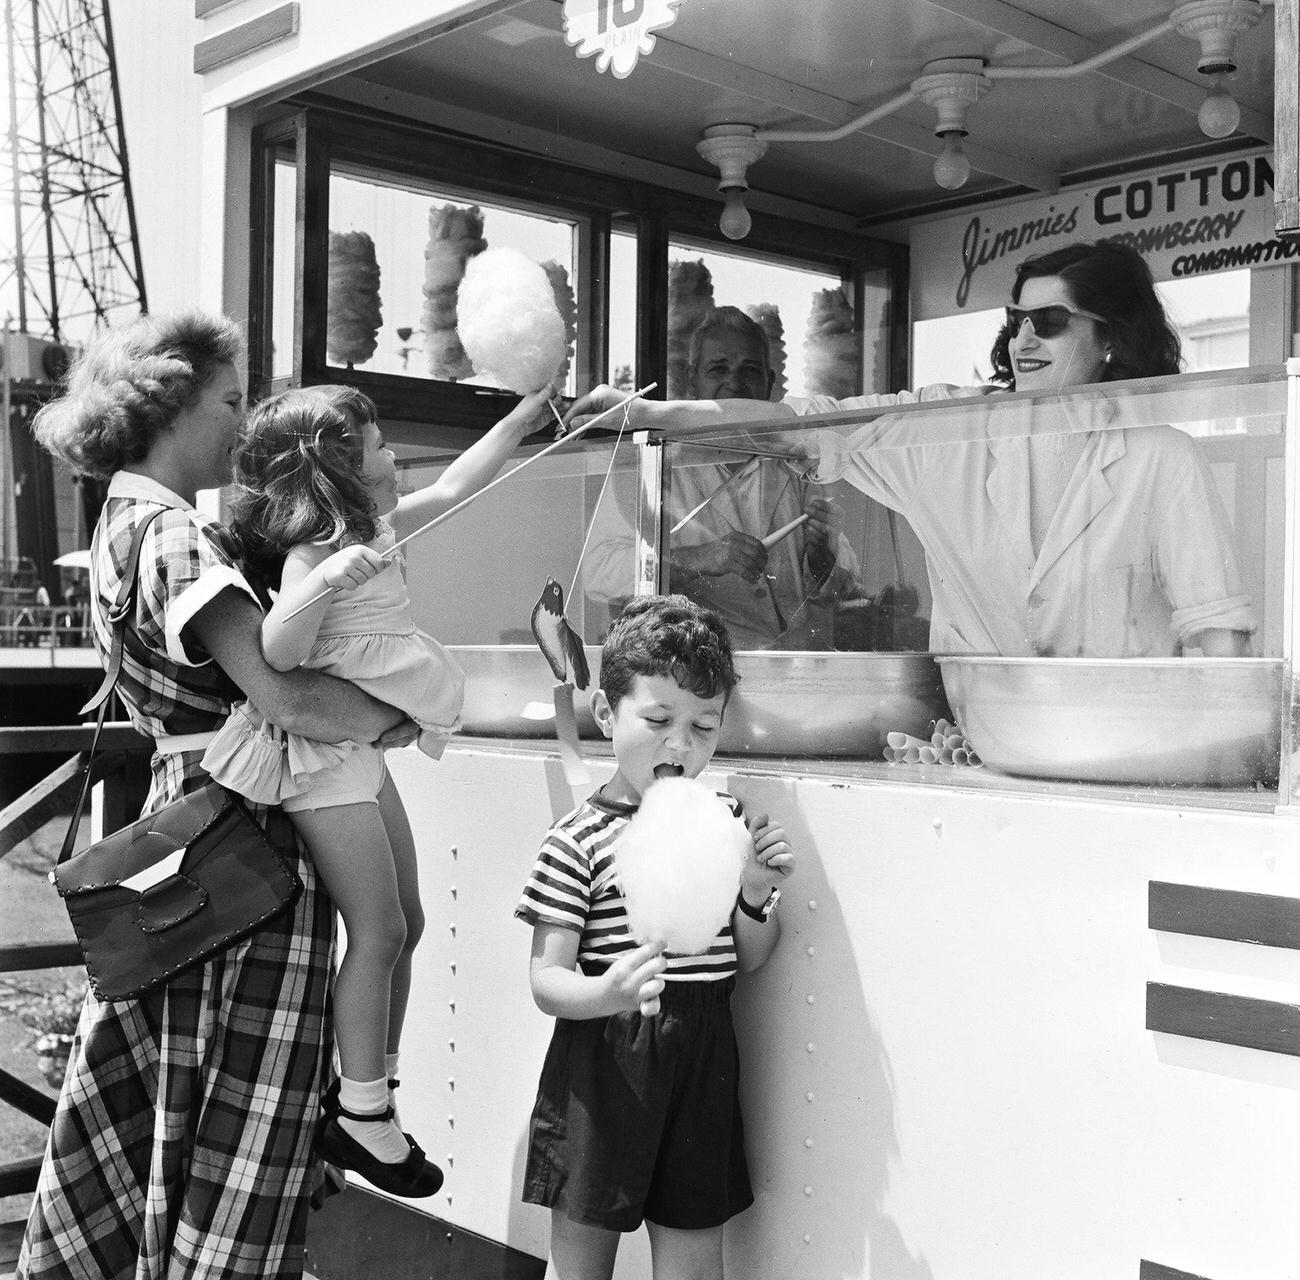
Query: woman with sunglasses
[1045,533]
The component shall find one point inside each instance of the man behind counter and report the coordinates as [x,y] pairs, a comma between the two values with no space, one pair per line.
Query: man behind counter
[777,597]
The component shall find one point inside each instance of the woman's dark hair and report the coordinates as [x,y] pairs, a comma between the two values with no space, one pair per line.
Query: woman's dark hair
[1114,282]
[298,475]
[667,636]
[129,385]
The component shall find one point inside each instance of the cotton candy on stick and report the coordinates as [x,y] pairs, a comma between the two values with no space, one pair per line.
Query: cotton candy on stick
[509,324]
[679,864]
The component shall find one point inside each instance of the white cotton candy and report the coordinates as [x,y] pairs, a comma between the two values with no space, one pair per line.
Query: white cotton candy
[679,864]
[508,322]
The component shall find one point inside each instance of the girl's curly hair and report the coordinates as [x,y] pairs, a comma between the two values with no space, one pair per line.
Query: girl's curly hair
[1113,281]
[129,385]
[298,475]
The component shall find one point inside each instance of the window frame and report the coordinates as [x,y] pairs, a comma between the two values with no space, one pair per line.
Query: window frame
[323,135]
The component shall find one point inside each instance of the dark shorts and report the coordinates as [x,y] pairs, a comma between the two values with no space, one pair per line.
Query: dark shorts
[639,1118]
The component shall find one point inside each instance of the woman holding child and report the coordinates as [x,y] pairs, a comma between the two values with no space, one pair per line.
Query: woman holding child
[182,1144]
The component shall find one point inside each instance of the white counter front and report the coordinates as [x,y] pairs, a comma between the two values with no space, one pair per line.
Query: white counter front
[948,1071]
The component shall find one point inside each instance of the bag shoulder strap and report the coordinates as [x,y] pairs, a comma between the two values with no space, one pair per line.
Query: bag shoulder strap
[118,615]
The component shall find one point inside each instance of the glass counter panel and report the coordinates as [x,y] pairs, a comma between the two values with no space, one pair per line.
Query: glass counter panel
[397,256]
[1096,574]
[475,579]
[1082,587]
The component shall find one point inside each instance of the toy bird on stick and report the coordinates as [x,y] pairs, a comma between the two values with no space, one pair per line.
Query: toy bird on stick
[558,641]
[562,648]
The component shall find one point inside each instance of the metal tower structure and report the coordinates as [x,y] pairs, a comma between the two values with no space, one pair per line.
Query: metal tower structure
[74,265]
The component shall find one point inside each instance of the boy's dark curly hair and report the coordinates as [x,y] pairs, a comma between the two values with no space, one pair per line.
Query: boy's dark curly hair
[1114,282]
[129,385]
[667,636]
[298,475]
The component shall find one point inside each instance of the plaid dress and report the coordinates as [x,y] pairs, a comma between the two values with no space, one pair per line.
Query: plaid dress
[182,1144]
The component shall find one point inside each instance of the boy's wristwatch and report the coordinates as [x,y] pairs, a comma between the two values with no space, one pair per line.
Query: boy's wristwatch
[761,914]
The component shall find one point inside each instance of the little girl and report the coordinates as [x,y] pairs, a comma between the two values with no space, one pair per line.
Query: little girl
[316,507]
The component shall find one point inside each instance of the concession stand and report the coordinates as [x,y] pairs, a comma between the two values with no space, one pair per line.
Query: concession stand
[1035,1010]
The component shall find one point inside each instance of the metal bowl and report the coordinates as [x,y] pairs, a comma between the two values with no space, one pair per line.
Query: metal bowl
[796,703]
[1194,722]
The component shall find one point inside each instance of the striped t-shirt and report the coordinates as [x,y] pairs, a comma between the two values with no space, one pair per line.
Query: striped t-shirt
[574,885]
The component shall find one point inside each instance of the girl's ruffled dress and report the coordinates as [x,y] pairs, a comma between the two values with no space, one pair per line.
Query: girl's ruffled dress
[369,637]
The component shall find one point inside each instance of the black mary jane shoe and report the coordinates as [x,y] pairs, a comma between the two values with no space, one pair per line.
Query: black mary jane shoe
[412,1178]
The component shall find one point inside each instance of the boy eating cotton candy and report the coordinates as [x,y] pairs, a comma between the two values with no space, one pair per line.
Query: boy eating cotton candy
[637,1115]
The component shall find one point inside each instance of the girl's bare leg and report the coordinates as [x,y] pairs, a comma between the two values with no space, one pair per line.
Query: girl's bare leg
[402,842]
[350,848]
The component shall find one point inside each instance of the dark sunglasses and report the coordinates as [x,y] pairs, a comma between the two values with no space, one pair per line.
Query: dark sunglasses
[1047,321]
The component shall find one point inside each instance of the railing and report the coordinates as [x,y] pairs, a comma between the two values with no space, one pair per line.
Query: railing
[44,625]
[121,764]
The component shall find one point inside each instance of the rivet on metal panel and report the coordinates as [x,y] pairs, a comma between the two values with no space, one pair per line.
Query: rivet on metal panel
[451,1044]
[451,1004]
[451,1083]
[812,951]
[454,851]
[812,1048]
[807,1191]
[452,966]
[812,904]
[808,1142]
[811,999]
[807,1239]
[937,824]
[808,1097]
[452,890]
[451,1122]
[452,927]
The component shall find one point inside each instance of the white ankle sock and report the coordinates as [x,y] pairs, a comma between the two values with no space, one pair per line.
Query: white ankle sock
[385,1141]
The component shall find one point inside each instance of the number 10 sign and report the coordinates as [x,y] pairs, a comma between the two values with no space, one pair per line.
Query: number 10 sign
[617,32]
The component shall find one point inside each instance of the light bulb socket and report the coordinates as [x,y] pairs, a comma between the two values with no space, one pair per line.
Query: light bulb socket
[1215,26]
[732,148]
[952,86]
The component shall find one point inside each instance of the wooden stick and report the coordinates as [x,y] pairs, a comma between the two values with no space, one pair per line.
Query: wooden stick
[464,502]
[726,484]
[777,534]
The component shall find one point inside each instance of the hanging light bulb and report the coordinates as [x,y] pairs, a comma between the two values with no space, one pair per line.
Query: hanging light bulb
[733,148]
[1219,115]
[951,168]
[735,221]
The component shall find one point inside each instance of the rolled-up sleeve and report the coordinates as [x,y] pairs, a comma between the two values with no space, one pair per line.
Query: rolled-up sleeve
[189,570]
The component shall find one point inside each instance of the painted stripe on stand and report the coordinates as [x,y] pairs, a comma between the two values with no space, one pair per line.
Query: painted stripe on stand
[1269,1025]
[1154,1271]
[1265,919]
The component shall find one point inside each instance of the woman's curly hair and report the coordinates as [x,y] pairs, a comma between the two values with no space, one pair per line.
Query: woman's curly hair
[129,385]
[298,475]
[1114,282]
